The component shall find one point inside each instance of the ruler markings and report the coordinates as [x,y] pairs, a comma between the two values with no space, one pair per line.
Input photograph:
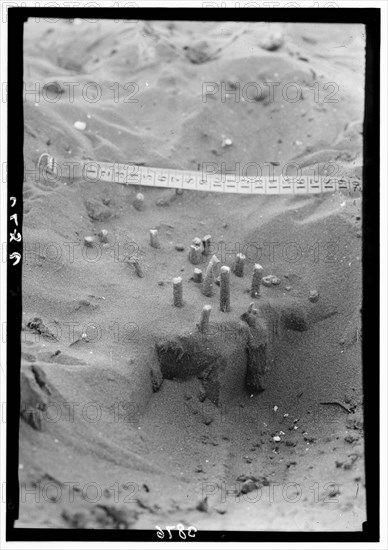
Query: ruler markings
[132,174]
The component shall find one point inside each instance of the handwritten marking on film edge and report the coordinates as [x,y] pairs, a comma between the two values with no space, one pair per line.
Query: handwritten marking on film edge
[15,235]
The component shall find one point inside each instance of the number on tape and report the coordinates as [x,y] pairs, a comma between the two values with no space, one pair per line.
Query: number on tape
[132,174]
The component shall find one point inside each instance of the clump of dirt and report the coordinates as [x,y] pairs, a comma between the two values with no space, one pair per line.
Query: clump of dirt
[34,395]
[101,516]
[36,325]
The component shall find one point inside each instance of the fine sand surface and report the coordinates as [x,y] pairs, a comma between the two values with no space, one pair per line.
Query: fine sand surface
[119,443]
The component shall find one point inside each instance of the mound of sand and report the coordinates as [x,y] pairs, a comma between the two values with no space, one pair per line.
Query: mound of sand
[144,436]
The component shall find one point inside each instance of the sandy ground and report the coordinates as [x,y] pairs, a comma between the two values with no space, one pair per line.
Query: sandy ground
[118,442]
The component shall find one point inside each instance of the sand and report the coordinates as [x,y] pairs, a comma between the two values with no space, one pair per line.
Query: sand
[144,444]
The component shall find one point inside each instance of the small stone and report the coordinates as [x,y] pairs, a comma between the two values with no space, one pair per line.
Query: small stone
[88,241]
[252,310]
[275,281]
[79,125]
[54,88]
[197,242]
[162,202]
[291,443]
[288,288]
[179,247]
[103,235]
[267,280]
[313,296]
[272,42]
[226,142]
[201,396]
[203,505]
[351,439]
[276,438]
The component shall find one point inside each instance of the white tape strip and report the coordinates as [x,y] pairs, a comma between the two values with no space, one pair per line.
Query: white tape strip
[131,174]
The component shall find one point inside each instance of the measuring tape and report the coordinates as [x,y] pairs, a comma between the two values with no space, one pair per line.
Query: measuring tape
[132,174]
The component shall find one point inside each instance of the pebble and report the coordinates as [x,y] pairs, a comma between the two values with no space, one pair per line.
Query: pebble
[179,247]
[275,280]
[276,438]
[103,234]
[226,142]
[313,296]
[162,202]
[79,125]
[55,87]
[267,280]
[88,241]
[272,42]
[288,287]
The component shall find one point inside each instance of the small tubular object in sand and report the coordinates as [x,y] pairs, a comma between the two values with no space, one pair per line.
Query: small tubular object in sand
[216,264]
[238,269]
[138,203]
[177,291]
[205,316]
[197,277]
[256,280]
[225,289]
[195,253]
[252,309]
[138,267]
[208,280]
[207,241]
[154,238]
